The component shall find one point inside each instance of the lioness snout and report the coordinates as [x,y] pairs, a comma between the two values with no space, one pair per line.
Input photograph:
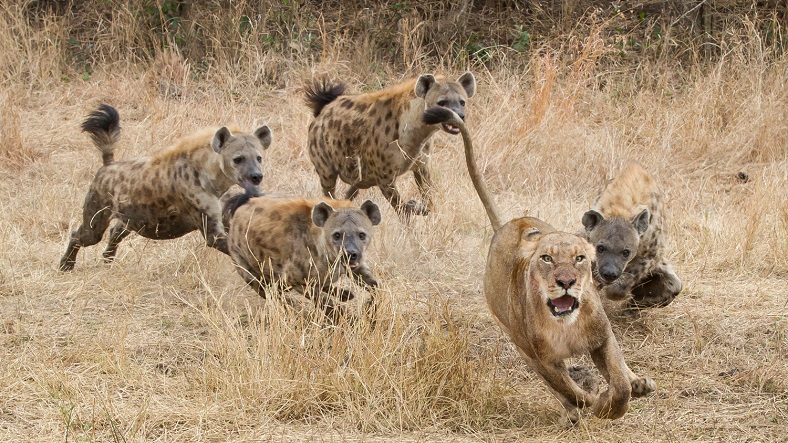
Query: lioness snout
[565,283]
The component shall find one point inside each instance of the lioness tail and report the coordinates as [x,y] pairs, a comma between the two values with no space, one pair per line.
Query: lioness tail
[440,114]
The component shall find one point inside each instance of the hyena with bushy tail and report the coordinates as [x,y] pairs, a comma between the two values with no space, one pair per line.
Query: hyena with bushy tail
[168,194]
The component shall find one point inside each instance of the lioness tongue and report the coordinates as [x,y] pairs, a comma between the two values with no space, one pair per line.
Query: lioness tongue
[564,303]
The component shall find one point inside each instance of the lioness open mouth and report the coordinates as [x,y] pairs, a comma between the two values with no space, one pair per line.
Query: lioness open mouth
[451,129]
[563,305]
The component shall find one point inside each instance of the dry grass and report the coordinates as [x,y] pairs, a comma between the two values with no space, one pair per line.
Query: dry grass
[168,345]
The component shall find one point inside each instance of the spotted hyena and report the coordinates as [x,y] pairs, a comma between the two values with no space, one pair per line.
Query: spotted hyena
[301,244]
[371,139]
[627,229]
[171,193]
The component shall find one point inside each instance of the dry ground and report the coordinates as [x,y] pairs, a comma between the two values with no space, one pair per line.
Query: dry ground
[166,344]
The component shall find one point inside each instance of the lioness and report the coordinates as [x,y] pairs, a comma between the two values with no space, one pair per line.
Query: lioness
[540,290]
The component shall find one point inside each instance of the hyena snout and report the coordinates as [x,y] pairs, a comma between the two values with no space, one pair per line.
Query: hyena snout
[351,255]
[609,272]
[256,178]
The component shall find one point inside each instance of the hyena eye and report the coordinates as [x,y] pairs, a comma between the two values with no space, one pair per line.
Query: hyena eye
[546,258]
[462,102]
[625,253]
[442,103]
[580,258]
[362,236]
[259,159]
[337,236]
[600,249]
[238,160]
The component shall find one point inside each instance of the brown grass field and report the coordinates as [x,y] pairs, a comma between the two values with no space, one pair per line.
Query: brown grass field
[167,344]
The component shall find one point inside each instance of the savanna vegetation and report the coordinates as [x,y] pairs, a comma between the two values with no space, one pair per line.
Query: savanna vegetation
[167,344]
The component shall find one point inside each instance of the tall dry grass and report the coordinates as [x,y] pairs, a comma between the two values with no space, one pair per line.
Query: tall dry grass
[167,344]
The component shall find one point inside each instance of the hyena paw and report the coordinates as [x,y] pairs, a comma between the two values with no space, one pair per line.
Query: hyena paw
[414,207]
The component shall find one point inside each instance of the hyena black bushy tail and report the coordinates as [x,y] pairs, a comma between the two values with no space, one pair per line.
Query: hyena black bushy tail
[439,114]
[103,125]
[322,92]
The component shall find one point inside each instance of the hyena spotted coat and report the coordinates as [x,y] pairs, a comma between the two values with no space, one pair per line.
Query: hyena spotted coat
[371,139]
[301,244]
[168,194]
[626,227]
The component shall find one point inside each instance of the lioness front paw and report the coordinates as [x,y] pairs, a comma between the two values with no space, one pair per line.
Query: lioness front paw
[610,406]
[643,386]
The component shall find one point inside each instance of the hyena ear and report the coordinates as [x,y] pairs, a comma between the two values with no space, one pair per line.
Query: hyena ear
[373,212]
[423,84]
[320,213]
[591,219]
[263,133]
[468,82]
[220,138]
[641,221]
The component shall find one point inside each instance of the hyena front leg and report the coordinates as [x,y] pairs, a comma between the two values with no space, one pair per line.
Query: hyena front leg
[212,227]
[116,234]
[423,177]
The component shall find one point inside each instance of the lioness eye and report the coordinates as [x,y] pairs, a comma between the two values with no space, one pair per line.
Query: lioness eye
[600,249]
[362,236]
[625,253]
[580,258]
[546,258]
[337,235]
[238,160]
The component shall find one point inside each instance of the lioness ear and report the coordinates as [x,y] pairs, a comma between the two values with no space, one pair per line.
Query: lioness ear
[320,213]
[263,133]
[588,249]
[468,82]
[591,219]
[423,84]
[641,221]
[220,138]
[373,212]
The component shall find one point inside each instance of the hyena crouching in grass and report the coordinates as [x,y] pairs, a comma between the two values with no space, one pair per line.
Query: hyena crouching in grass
[626,227]
[168,194]
[301,244]
[371,139]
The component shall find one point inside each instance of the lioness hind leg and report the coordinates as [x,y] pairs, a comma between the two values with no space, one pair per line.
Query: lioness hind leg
[641,386]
